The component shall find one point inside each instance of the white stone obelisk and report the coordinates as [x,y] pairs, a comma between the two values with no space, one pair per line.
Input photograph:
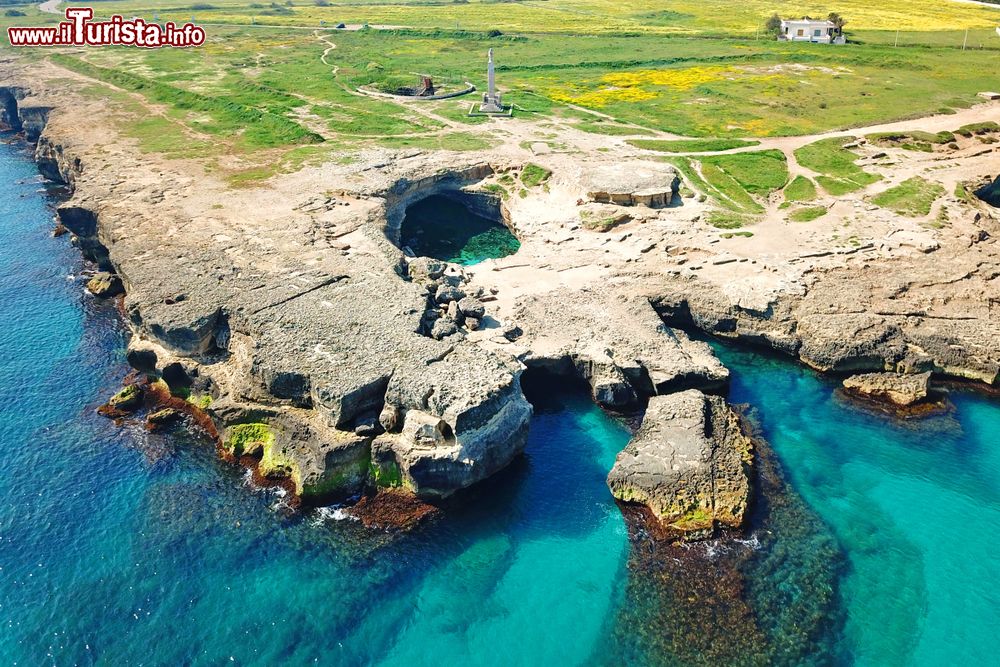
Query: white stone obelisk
[491,98]
[491,76]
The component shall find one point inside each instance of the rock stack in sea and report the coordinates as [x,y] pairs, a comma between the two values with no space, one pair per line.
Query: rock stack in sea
[689,464]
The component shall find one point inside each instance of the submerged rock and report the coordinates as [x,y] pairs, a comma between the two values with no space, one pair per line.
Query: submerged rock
[688,464]
[105,285]
[391,509]
[893,388]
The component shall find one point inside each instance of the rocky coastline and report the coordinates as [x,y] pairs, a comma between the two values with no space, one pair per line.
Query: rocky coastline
[311,347]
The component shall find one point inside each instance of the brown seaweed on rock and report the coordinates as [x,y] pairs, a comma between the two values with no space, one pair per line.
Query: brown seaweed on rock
[771,599]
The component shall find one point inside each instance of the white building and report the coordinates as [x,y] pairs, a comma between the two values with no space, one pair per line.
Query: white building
[810,30]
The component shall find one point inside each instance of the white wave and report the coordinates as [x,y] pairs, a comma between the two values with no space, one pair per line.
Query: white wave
[333,513]
[753,542]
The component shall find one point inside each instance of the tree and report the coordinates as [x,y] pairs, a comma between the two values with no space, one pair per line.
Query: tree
[838,22]
[773,25]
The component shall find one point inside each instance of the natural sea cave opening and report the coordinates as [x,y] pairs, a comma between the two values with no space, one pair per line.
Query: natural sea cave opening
[459,227]
[990,193]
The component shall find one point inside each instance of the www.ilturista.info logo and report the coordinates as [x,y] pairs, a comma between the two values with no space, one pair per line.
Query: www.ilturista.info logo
[79,30]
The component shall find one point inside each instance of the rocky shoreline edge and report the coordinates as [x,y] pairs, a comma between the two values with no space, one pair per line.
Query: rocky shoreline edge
[408,405]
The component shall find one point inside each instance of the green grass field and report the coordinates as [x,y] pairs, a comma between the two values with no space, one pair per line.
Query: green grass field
[695,69]
[840,174]
[914,197]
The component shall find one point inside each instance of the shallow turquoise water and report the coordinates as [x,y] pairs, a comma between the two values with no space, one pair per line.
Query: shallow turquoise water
[441,228]
[914,505]
[119,547]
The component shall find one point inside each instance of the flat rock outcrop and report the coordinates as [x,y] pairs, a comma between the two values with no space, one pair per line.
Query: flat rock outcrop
[688,463]
[297,325]
[648,185]
[893,388]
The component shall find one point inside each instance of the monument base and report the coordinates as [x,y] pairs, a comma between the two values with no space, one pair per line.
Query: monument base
[505,111]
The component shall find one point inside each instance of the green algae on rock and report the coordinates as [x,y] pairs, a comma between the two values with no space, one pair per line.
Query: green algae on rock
[247,439]
[128,399]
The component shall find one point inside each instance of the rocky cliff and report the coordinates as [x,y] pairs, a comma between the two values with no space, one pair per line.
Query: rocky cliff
[922,312]
[306,350]
[617,343]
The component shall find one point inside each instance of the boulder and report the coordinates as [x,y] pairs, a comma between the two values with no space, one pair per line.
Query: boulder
[163,417]
[141,359]
[424,269]
[689,463]
[444,327]
[894,388]
[368,425]
[105,285]
[455,314]
[448,293]
[472,307]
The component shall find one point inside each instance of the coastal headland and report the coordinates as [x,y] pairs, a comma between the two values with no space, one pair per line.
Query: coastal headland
[292,320]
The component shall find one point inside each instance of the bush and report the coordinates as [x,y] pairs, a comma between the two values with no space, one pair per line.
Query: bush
[773,25]
[14,12]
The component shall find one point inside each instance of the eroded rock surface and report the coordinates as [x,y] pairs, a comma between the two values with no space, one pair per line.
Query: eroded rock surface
[688,463]
[292,310]
[894,388]
[911,313]
[617,343]
[631,185]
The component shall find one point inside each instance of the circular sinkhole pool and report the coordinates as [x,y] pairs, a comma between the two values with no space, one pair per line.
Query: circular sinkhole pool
[455,228]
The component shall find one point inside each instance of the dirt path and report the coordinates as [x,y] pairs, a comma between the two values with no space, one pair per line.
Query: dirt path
[411,108]
[50,7]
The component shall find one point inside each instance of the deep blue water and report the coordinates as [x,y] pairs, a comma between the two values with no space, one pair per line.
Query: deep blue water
[120,547]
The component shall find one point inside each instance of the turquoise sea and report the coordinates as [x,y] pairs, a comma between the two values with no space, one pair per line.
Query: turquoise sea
[118,547]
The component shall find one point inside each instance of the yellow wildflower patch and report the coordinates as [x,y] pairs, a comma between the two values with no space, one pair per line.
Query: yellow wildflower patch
[681,79]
